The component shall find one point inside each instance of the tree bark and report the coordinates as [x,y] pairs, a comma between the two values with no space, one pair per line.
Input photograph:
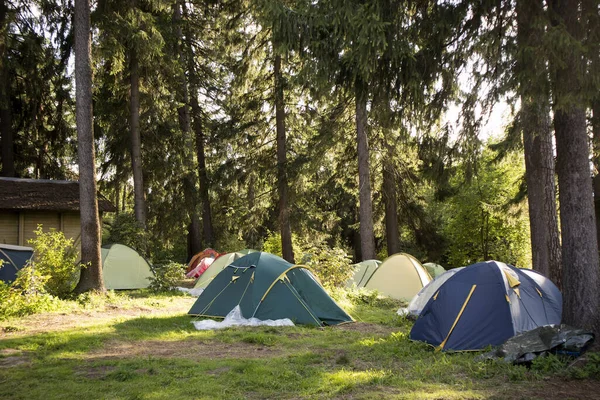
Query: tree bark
[91,274]
[189,179]
[139,197]
[6,130]
[367,236]
[391,206]
[537,140]
[282,183]
[581,271]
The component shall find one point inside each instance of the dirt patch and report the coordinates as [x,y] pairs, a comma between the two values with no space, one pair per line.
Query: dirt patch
[188,349]
[52,322]
[99,372]
[367,328]
[13,361]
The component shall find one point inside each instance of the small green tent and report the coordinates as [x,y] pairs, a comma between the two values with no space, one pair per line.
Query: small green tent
[218,265]
[363,272]
[434,269]
[268,287]
[124,268]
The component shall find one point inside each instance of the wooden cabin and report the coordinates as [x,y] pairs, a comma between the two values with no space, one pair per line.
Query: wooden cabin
[26,203]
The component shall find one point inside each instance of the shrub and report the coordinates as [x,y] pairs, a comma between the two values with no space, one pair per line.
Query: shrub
[54,263]
[332,265]
[26,295]
[126,230]
[166,276]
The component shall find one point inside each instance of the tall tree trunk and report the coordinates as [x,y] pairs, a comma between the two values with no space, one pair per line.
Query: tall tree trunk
[91,274]
[367,236]
[189,178]
[6,131]
[282,183]
[581,271]
[391,206]
[537,140]
[139,197]
[590,10]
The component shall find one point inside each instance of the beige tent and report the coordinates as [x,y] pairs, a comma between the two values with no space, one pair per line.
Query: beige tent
[218,265]
[400,276]
[124,268]
[363,272]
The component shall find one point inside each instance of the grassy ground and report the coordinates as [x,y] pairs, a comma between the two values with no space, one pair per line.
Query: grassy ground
[139,346]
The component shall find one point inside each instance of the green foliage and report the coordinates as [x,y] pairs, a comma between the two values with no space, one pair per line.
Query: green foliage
[167,276]
[124,229]
[332,266]
[481,221]
[272,244]
[230,242]
[590,368]
[26,295]
[551,363]
[54,262]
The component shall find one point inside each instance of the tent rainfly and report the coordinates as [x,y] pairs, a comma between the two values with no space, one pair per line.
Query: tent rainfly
[400,276]
[218,265]
[422,298]
[13,259]
[198,257]
[434,269]
[124,268]
[363,272]
[268,287]
[486,304]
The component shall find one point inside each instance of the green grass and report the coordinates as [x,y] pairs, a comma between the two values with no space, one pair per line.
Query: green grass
[163,356]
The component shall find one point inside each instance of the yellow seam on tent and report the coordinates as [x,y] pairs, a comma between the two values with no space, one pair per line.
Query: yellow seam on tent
[441,346]
[436,295]
[214,298]
[234,278]
[518,292]
[280,277]
[293,290]
[540,293]
[512,282]
[247,285]
[507,299]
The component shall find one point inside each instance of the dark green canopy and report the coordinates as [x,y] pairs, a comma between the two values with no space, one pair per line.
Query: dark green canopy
[268,287]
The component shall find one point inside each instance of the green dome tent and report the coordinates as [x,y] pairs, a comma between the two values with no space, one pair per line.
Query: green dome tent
[400,276]
[363,272]
[434,269]
[124,268]
[268,287]
[218,265]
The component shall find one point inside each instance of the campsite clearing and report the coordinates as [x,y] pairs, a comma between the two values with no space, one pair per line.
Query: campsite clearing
[144,347]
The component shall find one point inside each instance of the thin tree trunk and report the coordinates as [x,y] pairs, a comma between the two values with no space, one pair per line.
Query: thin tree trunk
[391,206]
[367,236]
[282,183]
[6,131]
[189,179]
[139,201]
[581,272]
[537,140]
[91,274]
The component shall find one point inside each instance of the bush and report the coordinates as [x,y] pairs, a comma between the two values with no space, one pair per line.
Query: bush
[332,266]
[26,295]
[167,276]
[54,264]
[126,230]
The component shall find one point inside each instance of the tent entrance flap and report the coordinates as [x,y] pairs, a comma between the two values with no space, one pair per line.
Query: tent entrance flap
[441,346]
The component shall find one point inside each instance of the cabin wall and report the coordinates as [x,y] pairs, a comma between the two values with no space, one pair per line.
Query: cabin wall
[18,227]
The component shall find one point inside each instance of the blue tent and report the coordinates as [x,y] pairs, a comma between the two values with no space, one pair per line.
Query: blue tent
[14,258]
[486,304]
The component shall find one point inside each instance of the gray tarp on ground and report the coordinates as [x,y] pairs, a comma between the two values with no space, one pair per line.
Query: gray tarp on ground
[557,339]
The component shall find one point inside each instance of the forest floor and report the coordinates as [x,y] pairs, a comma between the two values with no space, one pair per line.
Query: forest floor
[145,347]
